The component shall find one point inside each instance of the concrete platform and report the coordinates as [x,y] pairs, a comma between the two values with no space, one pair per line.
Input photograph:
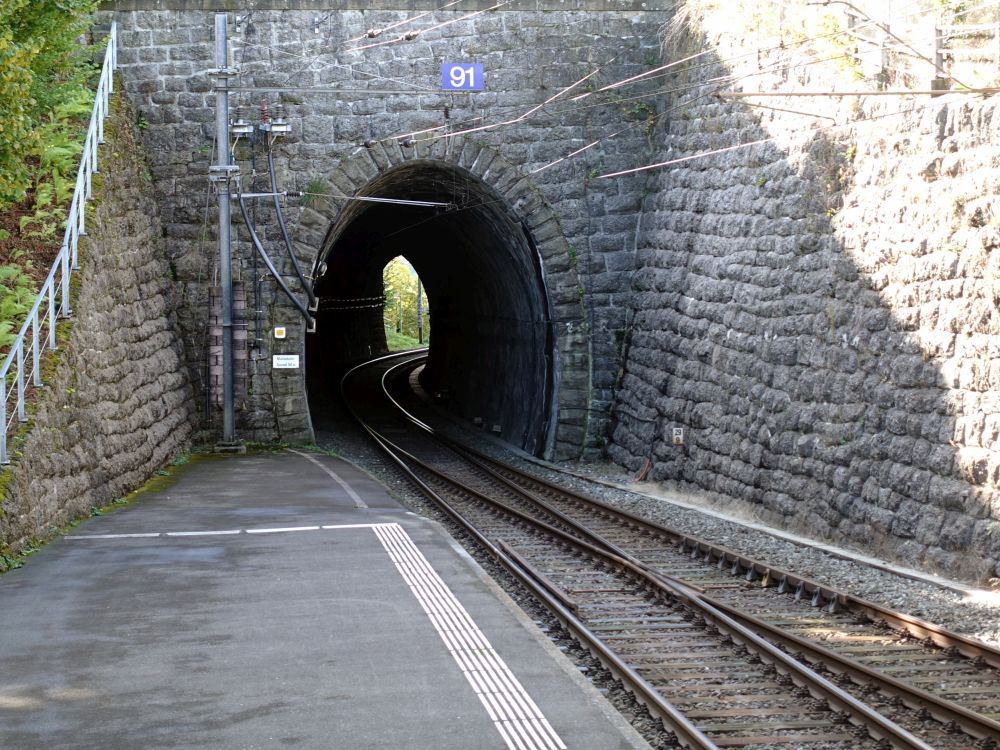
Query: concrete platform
[272,601]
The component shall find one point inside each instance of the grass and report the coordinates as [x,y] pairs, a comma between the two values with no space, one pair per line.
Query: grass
[397,342]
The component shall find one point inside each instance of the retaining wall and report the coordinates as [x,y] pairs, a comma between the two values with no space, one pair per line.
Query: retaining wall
[818,313]
[119,405]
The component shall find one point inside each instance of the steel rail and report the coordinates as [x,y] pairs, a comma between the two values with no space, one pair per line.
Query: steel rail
[672,719]
[877,725]
[771,575]
[971,722]
[741,627]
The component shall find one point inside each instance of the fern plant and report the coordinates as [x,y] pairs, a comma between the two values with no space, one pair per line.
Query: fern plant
[17,295]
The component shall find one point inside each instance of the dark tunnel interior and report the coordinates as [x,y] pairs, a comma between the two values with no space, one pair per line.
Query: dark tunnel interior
[491,346]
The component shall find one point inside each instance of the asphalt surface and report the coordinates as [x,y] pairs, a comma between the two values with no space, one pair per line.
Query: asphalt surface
[273,601]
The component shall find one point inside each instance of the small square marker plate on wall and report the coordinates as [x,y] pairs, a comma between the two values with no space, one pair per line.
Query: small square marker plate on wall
[678,435]
[280,332]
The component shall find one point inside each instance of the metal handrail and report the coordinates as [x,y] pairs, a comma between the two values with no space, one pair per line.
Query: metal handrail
[27,364]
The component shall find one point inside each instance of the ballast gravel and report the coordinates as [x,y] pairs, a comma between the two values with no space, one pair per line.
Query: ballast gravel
[959,607]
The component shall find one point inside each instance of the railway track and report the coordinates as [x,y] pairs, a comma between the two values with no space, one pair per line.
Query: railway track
[726,650]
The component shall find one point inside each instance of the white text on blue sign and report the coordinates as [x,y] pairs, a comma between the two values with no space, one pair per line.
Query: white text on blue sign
[462,77]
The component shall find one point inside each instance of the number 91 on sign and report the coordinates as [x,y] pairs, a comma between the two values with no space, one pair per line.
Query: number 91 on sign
[462,77]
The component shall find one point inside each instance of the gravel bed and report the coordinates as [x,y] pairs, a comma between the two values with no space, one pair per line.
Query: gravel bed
[350,443]
[974,612]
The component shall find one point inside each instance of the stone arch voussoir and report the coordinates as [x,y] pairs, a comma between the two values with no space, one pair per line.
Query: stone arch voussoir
[526,205]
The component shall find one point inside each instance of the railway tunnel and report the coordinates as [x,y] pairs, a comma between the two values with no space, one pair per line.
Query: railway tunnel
[491,346]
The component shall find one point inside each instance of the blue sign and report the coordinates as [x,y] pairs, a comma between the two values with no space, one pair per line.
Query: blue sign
[462,77]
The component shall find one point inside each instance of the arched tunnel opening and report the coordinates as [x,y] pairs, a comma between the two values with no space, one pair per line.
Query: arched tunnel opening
[406,311]
[491,347]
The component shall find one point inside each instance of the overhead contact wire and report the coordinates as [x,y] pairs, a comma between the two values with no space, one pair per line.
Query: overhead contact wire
[310,295]
[270,266]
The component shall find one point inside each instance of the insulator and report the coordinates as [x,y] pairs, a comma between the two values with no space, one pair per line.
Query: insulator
[265,115]
[240,122]
[372,33]
[411,35]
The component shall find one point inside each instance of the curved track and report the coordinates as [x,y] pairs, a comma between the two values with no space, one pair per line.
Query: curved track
[726,650]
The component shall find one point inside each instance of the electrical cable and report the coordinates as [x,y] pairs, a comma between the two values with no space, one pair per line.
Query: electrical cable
[258,277]
[726,149]
[684,105]
[310,295]
[373,199]
[373,33]
[342,66]
[527,114]
[411,35]
[644,76]
[310,321]
[369,34]
[660,72]
[722,80]
[657,72]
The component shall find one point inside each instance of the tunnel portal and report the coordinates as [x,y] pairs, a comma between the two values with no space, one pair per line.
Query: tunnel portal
[491,346]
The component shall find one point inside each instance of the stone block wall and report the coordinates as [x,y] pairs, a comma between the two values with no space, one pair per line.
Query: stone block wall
[119,405]
[528,55]
[818,313]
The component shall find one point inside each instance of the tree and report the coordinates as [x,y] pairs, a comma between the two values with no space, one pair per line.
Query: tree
[400,283]
[40,65]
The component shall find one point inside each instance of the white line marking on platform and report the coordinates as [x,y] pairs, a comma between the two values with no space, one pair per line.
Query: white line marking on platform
[225,532]
[358,502]
[284,530]
[115,536]
[515,716]
[352,526]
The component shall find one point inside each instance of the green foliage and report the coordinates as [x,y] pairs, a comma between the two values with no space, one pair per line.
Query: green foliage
[315,191]
[399,282]
[638,111]
[397,342]
[12,561]
[42,66]
[43,223]
[17,295]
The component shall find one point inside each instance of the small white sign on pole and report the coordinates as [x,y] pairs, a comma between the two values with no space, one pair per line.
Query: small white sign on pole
[285,362]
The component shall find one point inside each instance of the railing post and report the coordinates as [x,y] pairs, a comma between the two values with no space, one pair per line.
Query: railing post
[74,243]
[22,415]
[89,169]
[52,316]
[81,228]
[100,103]
[93,156]
[4,458]
[36,353]
[67,311]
